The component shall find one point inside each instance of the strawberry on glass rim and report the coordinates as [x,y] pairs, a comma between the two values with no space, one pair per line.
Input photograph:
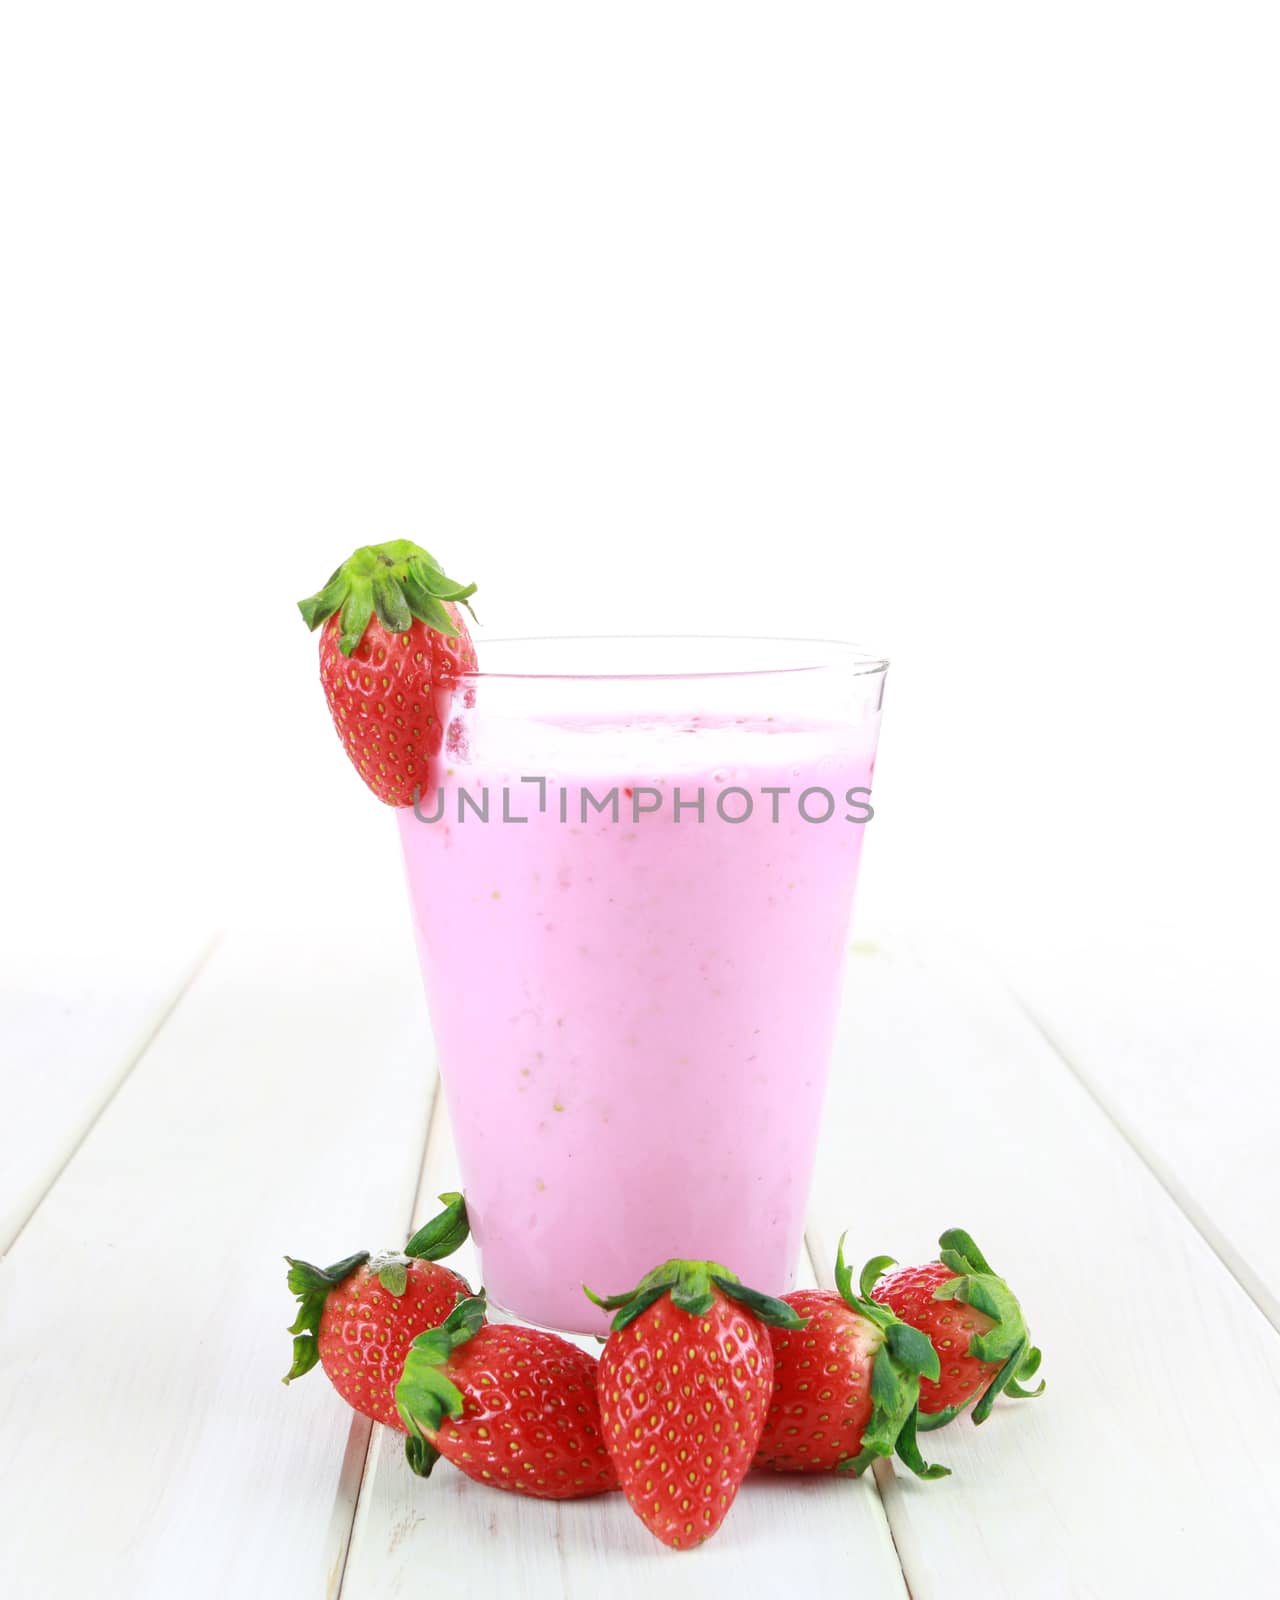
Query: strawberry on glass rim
[392,650]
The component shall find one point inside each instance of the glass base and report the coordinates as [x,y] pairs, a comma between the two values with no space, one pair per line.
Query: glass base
[586,1341]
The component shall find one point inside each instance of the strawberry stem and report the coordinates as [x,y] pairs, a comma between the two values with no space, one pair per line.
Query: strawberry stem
[444,1233]
[399,581]
[312,1285]
[425,1395]
[692,1287]
[904,1357]
[977,1284]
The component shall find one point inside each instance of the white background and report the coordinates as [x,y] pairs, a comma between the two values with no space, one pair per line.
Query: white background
[952,329]
[949,329]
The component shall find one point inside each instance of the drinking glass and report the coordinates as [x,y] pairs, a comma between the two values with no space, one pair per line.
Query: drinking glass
[631,881]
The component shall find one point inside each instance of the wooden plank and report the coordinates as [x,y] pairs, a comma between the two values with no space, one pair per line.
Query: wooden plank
[282,1107]
[782,1536]
[1147,1467]
[1182,1054]
[76,1011]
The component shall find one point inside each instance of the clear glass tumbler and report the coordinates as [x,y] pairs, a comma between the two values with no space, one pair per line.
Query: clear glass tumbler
[632,885]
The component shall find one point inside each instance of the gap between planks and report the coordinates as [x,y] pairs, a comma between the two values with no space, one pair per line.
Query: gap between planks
[1251,1282]
[112,1088]
[355,1462]
[825,1279]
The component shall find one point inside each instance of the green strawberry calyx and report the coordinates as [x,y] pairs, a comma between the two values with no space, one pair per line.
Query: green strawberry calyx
[904,1357]
[311,1285]
[692,1287]
[425,1394]
[1008,1343]
[399,581]
[441,1236]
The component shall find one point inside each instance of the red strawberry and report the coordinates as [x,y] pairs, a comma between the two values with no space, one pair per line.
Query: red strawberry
[357,1318]
[511,1407]
[393,647]
[685,1380]
[846,1385]
[974,1323]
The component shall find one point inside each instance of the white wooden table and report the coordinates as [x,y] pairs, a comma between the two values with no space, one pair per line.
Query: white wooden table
[178,1117]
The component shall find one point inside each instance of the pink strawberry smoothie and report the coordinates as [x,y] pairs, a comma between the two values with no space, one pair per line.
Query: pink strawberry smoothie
[634,1017]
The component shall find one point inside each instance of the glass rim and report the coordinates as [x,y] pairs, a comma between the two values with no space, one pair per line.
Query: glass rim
[832,654]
